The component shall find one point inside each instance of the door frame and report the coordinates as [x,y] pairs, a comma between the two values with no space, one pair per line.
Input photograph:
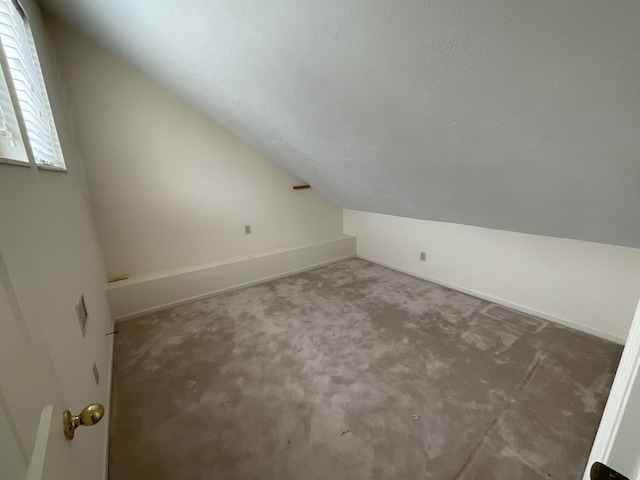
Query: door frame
[624,389]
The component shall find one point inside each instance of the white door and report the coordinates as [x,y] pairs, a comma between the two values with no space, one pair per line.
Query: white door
[32,441]
[617,444]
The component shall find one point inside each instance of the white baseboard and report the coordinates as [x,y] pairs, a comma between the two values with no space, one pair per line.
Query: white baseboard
[153,292]
[505,303]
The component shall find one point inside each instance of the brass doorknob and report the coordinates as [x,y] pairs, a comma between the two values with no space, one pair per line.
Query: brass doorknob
[90,415]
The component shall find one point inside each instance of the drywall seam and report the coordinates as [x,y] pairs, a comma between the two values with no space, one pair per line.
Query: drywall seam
[504,302]
[251,271]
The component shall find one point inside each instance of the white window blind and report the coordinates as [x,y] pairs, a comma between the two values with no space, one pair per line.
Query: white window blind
[12,143]
[28,82]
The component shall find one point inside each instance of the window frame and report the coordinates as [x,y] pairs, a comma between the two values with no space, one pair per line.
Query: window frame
[15,101]
[4,64]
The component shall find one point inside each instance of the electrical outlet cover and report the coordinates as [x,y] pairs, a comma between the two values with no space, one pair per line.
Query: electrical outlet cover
[423,256]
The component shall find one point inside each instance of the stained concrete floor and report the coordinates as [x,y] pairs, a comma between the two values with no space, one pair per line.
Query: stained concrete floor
[354,371]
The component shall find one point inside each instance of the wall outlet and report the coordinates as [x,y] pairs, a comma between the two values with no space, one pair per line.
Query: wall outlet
[423,256]
[247,229]
[96,374]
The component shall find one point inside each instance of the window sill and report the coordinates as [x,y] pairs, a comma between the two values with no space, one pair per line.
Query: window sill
[52,168]
[17,163]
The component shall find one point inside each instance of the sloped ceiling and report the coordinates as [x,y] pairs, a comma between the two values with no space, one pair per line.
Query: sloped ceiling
[512,114]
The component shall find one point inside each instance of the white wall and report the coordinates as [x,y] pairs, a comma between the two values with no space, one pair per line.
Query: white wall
[518,115]
[51,251]
[169,187]
[591,286]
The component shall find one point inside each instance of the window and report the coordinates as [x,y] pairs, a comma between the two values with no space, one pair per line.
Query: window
[12,148]
[23,78]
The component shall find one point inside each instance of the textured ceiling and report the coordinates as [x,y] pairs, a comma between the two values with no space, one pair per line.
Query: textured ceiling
[512,114]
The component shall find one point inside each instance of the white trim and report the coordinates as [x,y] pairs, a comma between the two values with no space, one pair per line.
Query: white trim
[162,274]
[109,386]
[626,377]
[36,466]
[17,163]
[505,303]
[51,168]
[143,294]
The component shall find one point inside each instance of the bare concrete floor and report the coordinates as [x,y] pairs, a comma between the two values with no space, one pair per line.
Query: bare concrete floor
[354,371]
